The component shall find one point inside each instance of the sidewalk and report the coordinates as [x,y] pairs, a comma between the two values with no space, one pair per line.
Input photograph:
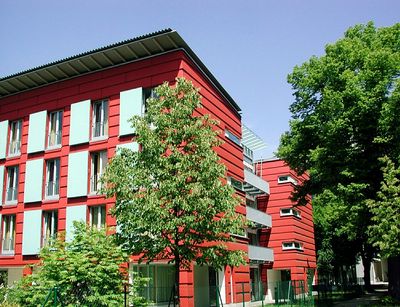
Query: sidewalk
[369,299]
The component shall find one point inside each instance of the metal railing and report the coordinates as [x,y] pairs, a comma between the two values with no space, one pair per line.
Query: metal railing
[52,189]
[8,246]
[14,148]
[54,139]
[95,184]
[11,194]
[99,129]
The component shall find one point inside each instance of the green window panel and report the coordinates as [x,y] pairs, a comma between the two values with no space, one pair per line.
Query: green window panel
[79,123]
[130,104]
[77,174]
[75,213]
[134,146]
[3,138]
[32,232]
[37,131]
[1,183]
[33,181]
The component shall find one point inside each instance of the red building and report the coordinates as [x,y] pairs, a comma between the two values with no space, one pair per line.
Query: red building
[59,125]
[292,234]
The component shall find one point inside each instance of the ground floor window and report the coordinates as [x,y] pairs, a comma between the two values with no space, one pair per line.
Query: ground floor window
[161,284]
[3,278]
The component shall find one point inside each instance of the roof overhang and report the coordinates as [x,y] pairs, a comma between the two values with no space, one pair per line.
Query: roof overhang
[252,140]
[117,54]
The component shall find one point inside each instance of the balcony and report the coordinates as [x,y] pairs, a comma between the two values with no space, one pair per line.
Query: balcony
[261,219]
[258,254]
[254,185]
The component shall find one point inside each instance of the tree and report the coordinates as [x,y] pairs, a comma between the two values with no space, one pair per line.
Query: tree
[172,201]
[340,126]
[385,232]
[88,271]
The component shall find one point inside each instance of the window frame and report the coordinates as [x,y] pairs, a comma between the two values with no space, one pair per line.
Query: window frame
[100,211]
[15,181]
[58,129]
[292,212]
[11,218]
[104,114]
[95,185]
[294,245]
[14,141]
[53,229]
[235,139]
[55,168]
[288,179]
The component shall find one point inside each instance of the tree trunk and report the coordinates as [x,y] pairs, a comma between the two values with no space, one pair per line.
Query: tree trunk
[366,261]
[394,277]
[177,280]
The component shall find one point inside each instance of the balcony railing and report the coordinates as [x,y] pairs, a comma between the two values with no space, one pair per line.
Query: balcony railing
[52,189]
[259,218]
[54,139]
[8,246]
[99,129]
[95,184]
[11,194]
[48,240]
[14,148]
[259,254]
[254,185]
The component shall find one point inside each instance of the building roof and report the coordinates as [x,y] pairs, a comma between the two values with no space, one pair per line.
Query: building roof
[120,53]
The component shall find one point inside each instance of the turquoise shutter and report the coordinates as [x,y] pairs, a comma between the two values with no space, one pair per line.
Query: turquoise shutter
[3,138]
[37,131]
[130,103]
[134,146]
[32,232]
[1,183]
[33,180]
[75,213]
[79,123]
[77,174]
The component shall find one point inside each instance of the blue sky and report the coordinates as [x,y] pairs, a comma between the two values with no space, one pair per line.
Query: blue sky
[250,46]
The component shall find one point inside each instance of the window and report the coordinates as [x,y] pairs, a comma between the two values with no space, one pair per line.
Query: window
[8,237]
[253,237]
[237,184]
[233,137]
[148,93]
[97,216]
[286,179]
[52,178]
[290,212]
[292,245]
[14,145]
[55,129]
[162,279]
[49,226]
[12,185]
[100,119]
[99,162]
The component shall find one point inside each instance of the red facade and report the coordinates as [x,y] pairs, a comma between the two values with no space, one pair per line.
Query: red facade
[74,80]
[292,233]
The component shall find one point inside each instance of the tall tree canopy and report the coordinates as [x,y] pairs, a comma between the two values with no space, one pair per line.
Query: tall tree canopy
[344,119]
[171,199]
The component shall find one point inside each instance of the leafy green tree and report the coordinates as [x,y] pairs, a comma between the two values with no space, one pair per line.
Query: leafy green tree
[341,126]
[88,271]
[385,231]
[172,201]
